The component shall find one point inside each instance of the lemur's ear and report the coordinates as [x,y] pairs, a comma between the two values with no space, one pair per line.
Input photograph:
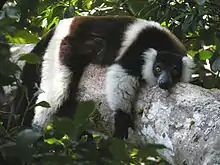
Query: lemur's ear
[150,54]
[188,68]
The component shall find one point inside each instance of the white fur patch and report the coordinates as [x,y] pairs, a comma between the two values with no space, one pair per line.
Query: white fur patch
[54,79]
[147,68]
[187,68]
[120,88]
[132,33]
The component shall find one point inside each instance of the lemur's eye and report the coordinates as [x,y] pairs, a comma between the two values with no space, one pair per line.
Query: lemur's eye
[157,69]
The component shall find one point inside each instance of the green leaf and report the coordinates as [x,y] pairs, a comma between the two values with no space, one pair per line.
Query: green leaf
[118,150]
[7,68]
[150,150]
[13,150]
[23,37]
[209,82]
[43,104]
[88,4]
[27,137]
[53,22]
[30,58]
[83,111]
[187,23]
[205,54]
[217,43]
[52,141]
[87,150]
[57,159]
[192,53]
[79,129]
[64,126]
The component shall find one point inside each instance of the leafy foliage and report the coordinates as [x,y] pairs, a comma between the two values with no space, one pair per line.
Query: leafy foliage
[196,23]
[63,142]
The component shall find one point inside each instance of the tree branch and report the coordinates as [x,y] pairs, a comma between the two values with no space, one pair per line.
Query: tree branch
[187,120]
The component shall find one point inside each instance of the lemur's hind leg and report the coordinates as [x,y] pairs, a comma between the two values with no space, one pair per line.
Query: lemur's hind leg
[59,78]
[62,68]
[55,92]
[55,79]
[121,91]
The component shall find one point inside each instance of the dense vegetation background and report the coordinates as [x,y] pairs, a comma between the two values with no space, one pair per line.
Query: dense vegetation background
[195,22]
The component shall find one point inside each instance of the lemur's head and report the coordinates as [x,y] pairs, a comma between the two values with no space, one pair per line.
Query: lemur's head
[167,68]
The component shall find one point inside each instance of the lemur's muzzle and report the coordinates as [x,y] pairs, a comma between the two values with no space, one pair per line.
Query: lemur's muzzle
[165,80]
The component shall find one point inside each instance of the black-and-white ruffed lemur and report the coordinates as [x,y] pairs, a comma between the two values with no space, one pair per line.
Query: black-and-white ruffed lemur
[132,50]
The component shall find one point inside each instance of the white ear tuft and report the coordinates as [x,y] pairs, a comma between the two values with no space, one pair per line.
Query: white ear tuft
[187,68]
[147,68]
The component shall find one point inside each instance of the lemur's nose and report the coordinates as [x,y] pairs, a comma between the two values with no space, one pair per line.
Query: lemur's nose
[165,85]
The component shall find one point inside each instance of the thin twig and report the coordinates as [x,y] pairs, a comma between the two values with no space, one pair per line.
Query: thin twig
[187,39]
[6,112]
[127,8]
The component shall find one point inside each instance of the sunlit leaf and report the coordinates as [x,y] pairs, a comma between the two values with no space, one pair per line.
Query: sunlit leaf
[52,141]
[205,54]
[88,4]
[23,37]
[54,22]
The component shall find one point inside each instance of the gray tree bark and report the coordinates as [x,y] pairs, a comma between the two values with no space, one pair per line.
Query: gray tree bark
[186,120]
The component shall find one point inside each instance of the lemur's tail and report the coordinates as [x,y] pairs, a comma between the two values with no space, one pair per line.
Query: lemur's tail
[30,76]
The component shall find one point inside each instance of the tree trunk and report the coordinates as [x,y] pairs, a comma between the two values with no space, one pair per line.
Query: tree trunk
[186,120]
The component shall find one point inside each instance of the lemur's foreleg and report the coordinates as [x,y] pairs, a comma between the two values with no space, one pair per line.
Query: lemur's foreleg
[121,90]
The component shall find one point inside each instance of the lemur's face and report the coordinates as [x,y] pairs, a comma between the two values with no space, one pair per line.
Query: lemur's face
[167,69]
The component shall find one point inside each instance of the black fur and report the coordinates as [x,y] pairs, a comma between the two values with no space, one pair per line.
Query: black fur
[149,38]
